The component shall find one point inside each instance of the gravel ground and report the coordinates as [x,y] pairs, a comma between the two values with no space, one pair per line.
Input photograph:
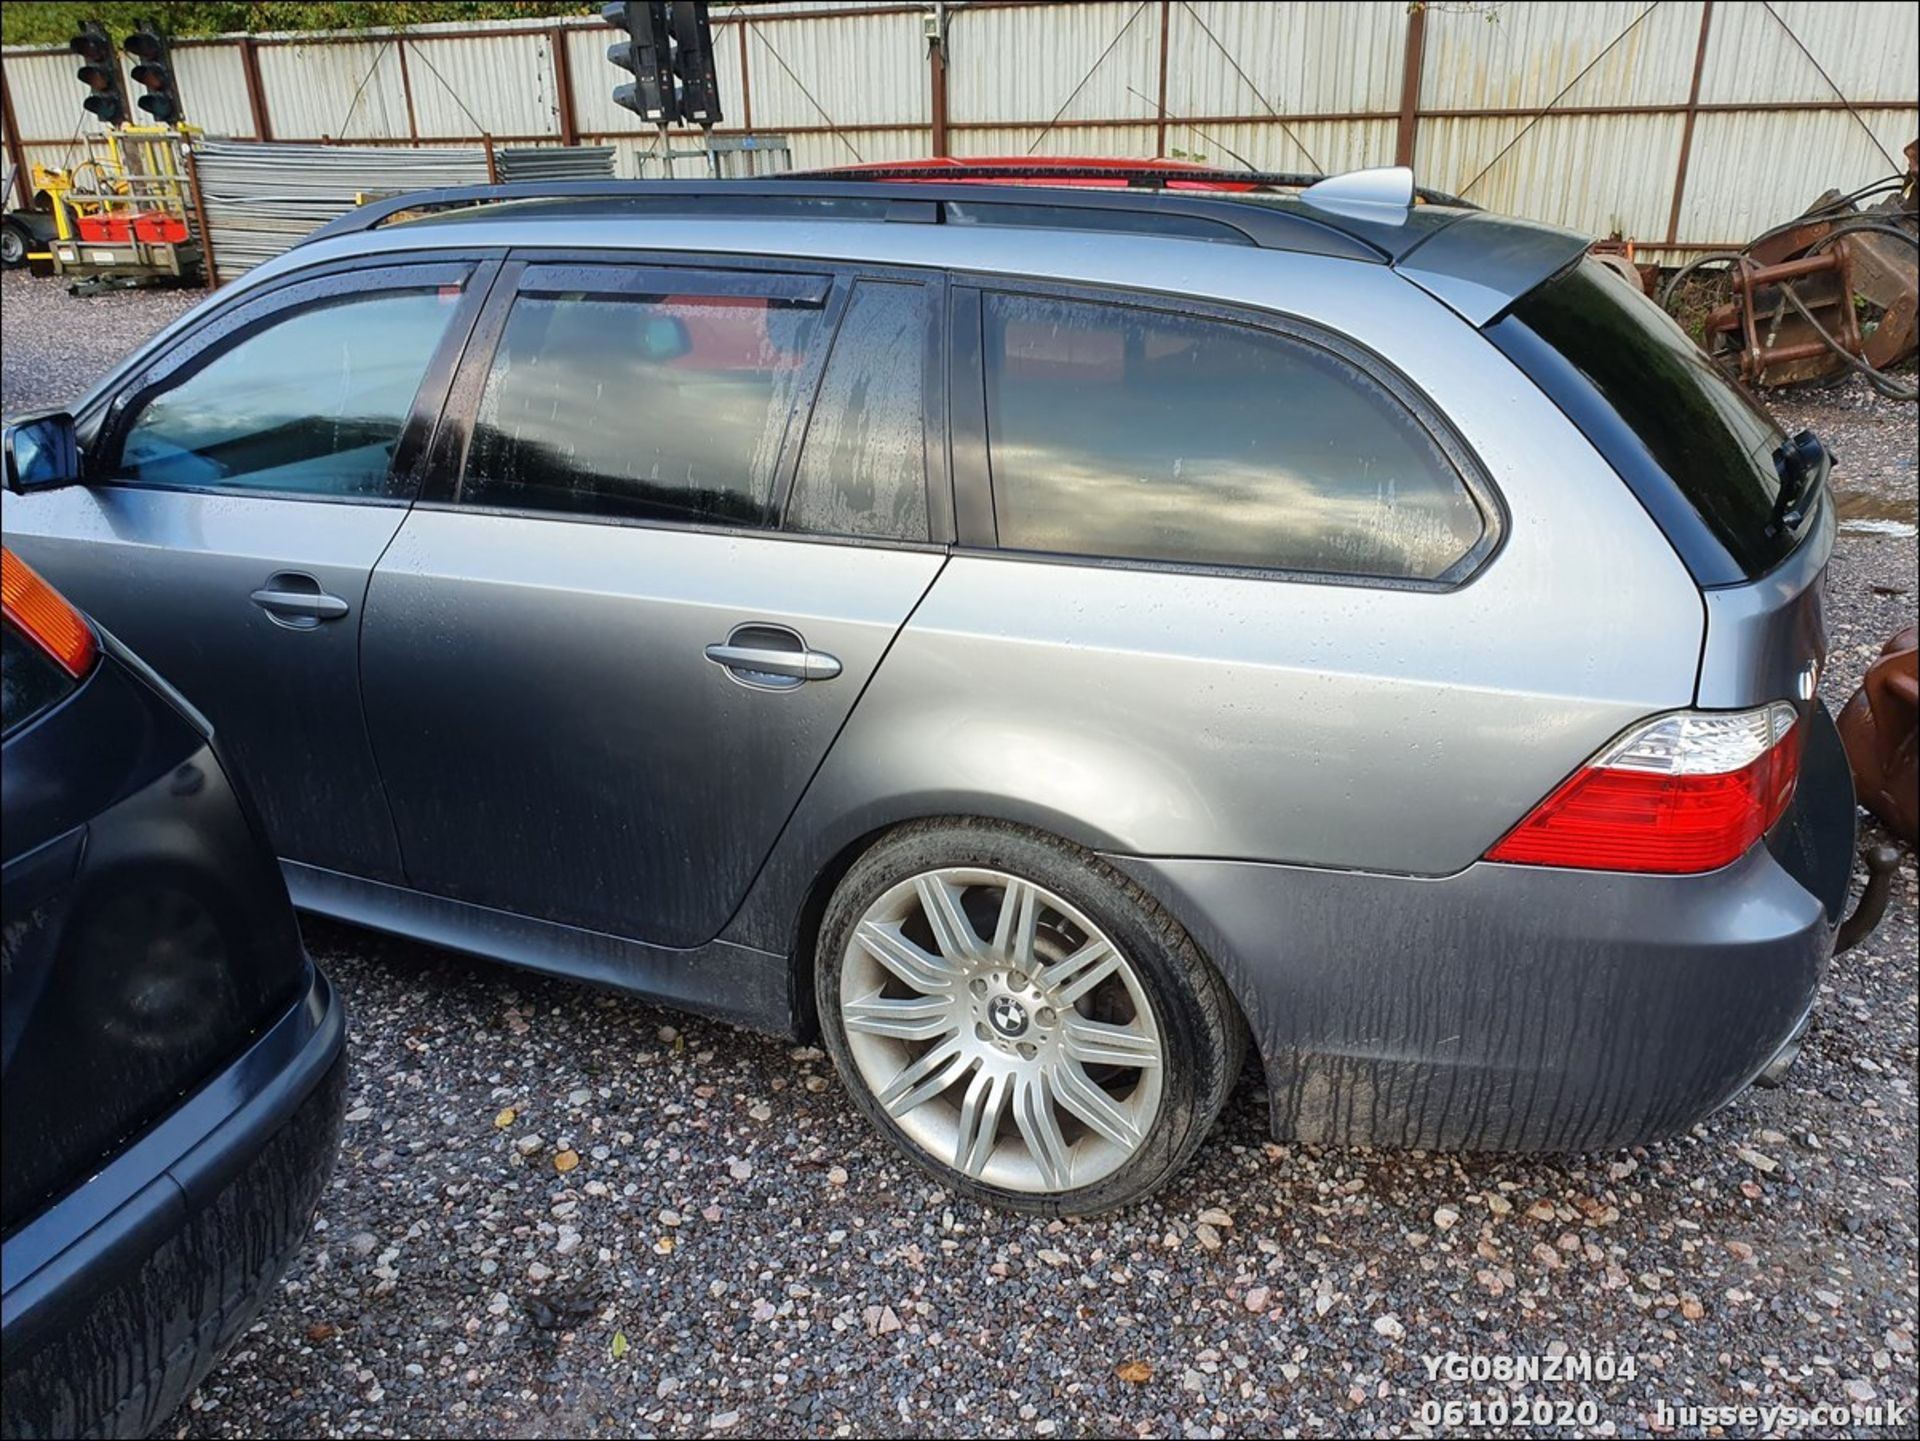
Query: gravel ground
[560,1212]
[56,346]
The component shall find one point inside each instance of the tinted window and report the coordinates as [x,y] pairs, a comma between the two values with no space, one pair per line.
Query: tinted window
[29,681]
[1118,431]
[1703,431]
[649,407]
[864,468]
[314,403]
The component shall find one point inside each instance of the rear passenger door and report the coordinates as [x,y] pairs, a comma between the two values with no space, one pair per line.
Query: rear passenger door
[678,515]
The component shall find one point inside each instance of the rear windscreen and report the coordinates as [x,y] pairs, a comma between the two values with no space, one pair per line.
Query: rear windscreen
[1712,442]
[29,681]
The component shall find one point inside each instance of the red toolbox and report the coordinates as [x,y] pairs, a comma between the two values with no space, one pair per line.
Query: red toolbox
[106,229]
[156,227]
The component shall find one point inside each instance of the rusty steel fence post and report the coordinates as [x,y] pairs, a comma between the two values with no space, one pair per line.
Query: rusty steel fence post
[1160,102]
[563,87]
[209,273]
[1686,129]
[1410,84]
[937,93]
[406,88]
[256,88]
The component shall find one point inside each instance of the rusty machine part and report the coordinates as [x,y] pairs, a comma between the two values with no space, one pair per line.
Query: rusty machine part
[1832,291]
[1880,727]
[1618,257]
[1883,275]
[1776,341]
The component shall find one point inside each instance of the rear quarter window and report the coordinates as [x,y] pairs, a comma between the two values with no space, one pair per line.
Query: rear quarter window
[1131,433]
[1712,442]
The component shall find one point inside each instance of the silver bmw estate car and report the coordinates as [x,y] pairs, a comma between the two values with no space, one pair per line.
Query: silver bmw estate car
[1048,641]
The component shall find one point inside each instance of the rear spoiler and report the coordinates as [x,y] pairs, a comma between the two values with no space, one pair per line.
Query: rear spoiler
[1482,263]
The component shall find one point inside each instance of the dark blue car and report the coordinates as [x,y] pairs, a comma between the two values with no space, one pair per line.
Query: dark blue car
[174,1065]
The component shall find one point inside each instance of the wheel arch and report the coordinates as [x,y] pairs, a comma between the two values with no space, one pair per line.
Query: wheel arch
[783,909]
[804,899]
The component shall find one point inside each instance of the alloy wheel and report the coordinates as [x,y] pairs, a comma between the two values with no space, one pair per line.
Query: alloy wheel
[1001,1030]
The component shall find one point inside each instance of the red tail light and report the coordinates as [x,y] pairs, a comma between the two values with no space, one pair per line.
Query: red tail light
[42,615]
[1681,794]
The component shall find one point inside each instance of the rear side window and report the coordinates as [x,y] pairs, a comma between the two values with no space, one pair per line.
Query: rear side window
[863,470]
[647,407]
[1119,431]
[312,404]
[29,681]
[1713,443]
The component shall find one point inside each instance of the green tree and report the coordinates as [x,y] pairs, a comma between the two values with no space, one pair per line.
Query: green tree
[50,22]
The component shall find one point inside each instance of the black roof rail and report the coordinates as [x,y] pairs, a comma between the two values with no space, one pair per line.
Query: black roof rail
[1136,176]
[924,201]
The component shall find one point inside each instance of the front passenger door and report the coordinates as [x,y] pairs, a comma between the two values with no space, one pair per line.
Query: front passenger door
[239,492]
[598,674]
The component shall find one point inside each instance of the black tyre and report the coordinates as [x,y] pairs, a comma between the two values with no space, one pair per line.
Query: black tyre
[1021,1019]
[15,242]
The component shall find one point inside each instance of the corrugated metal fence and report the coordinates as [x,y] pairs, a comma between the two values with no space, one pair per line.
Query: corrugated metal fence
[1683,124]
[259,200]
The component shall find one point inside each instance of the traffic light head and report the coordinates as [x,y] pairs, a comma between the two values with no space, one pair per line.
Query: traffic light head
[646,53]
[153,72]
[699,89]
[91,44]
[100,72]
[669,50]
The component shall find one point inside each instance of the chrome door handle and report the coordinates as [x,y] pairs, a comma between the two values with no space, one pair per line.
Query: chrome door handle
[796,665]
[294,599]
[300,602]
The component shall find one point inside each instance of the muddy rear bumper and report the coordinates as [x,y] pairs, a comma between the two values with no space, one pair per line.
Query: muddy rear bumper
[1523,1008]
[120,1296]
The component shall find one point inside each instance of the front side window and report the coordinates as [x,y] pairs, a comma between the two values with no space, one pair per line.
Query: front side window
[314,403]
[1122,432]
[646,407]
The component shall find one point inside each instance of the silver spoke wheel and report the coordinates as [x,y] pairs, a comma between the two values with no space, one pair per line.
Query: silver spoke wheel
[1001,1030]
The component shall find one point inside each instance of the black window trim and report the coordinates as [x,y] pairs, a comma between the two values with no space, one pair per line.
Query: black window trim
[550,278]
[531,270]
[973,479]
[191,351]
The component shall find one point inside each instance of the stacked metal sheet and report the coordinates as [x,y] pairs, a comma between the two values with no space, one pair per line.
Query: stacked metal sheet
[261,199]
[556,162]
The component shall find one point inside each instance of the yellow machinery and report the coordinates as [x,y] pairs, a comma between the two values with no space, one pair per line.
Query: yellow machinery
[126,212]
